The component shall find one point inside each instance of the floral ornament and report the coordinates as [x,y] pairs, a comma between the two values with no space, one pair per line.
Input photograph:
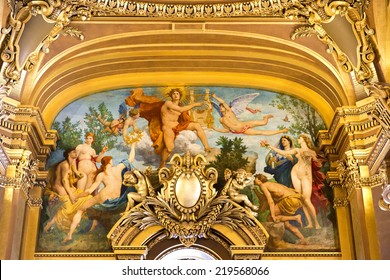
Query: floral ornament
[264,143]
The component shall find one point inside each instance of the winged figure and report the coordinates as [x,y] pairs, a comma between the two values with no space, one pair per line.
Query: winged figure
[239,104]
[231,124]
[115,126]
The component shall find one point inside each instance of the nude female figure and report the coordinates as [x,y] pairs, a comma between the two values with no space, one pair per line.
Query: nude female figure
[87,158]
[108,175]
[302,176]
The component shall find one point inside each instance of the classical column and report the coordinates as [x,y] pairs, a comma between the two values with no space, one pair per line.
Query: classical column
[26,143]
[344,224]
[31,222]
[358,185]
[16,184]
[353,149]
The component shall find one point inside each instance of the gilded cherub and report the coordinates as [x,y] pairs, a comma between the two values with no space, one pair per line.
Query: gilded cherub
[140,182]
[239,179]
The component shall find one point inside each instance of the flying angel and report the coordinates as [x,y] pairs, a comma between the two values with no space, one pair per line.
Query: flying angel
[115,126]
[237,106]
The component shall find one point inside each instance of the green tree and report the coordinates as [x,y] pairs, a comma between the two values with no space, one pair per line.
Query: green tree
[232,156]
[93,125]
[303,117]
[70,135]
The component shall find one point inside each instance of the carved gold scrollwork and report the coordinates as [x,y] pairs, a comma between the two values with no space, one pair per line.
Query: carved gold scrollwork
[187,204]
[381,111]
[319,13]
[4,91]
[53,12]
[190,10]
[349,178]
[24,175]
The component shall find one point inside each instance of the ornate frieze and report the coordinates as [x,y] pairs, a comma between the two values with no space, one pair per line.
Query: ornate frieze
[24,128]
[187,10]
[23,174]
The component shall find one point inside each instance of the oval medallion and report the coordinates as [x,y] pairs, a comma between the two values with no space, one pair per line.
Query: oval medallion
[188,190]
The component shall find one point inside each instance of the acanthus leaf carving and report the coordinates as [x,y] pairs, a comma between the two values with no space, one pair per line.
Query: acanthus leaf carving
[187,222]
[320,12]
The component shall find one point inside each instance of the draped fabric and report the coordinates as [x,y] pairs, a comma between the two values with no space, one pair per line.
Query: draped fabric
[150,109]
[318,198]
[290,204]
[280,167]
[68,210]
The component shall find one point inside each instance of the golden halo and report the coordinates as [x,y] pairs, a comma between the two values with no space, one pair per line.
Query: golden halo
[184,92]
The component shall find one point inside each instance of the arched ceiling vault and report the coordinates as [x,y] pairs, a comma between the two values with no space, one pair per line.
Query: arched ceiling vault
[187,57]
[262,44]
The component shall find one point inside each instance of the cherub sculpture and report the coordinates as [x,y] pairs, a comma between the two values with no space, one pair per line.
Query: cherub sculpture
[237,181]
[140,181]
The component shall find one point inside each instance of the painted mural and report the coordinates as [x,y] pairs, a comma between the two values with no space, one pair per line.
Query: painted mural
[265,139]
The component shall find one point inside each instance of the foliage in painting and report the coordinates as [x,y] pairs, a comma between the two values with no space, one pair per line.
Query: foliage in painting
[304,119]
[93,125]
[70,133]
[232,156]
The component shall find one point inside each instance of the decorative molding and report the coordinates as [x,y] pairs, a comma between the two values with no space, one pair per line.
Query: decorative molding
[23,174]
[305,255]
[247,252]
[4,91]
[56,13]
[381,110]
[187,205]
[318,13]
[59,13]
[350,179]
[74,255]
[342,117]
[130,252]
[4,158]
[263,8]
[384,201]
[25,129]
